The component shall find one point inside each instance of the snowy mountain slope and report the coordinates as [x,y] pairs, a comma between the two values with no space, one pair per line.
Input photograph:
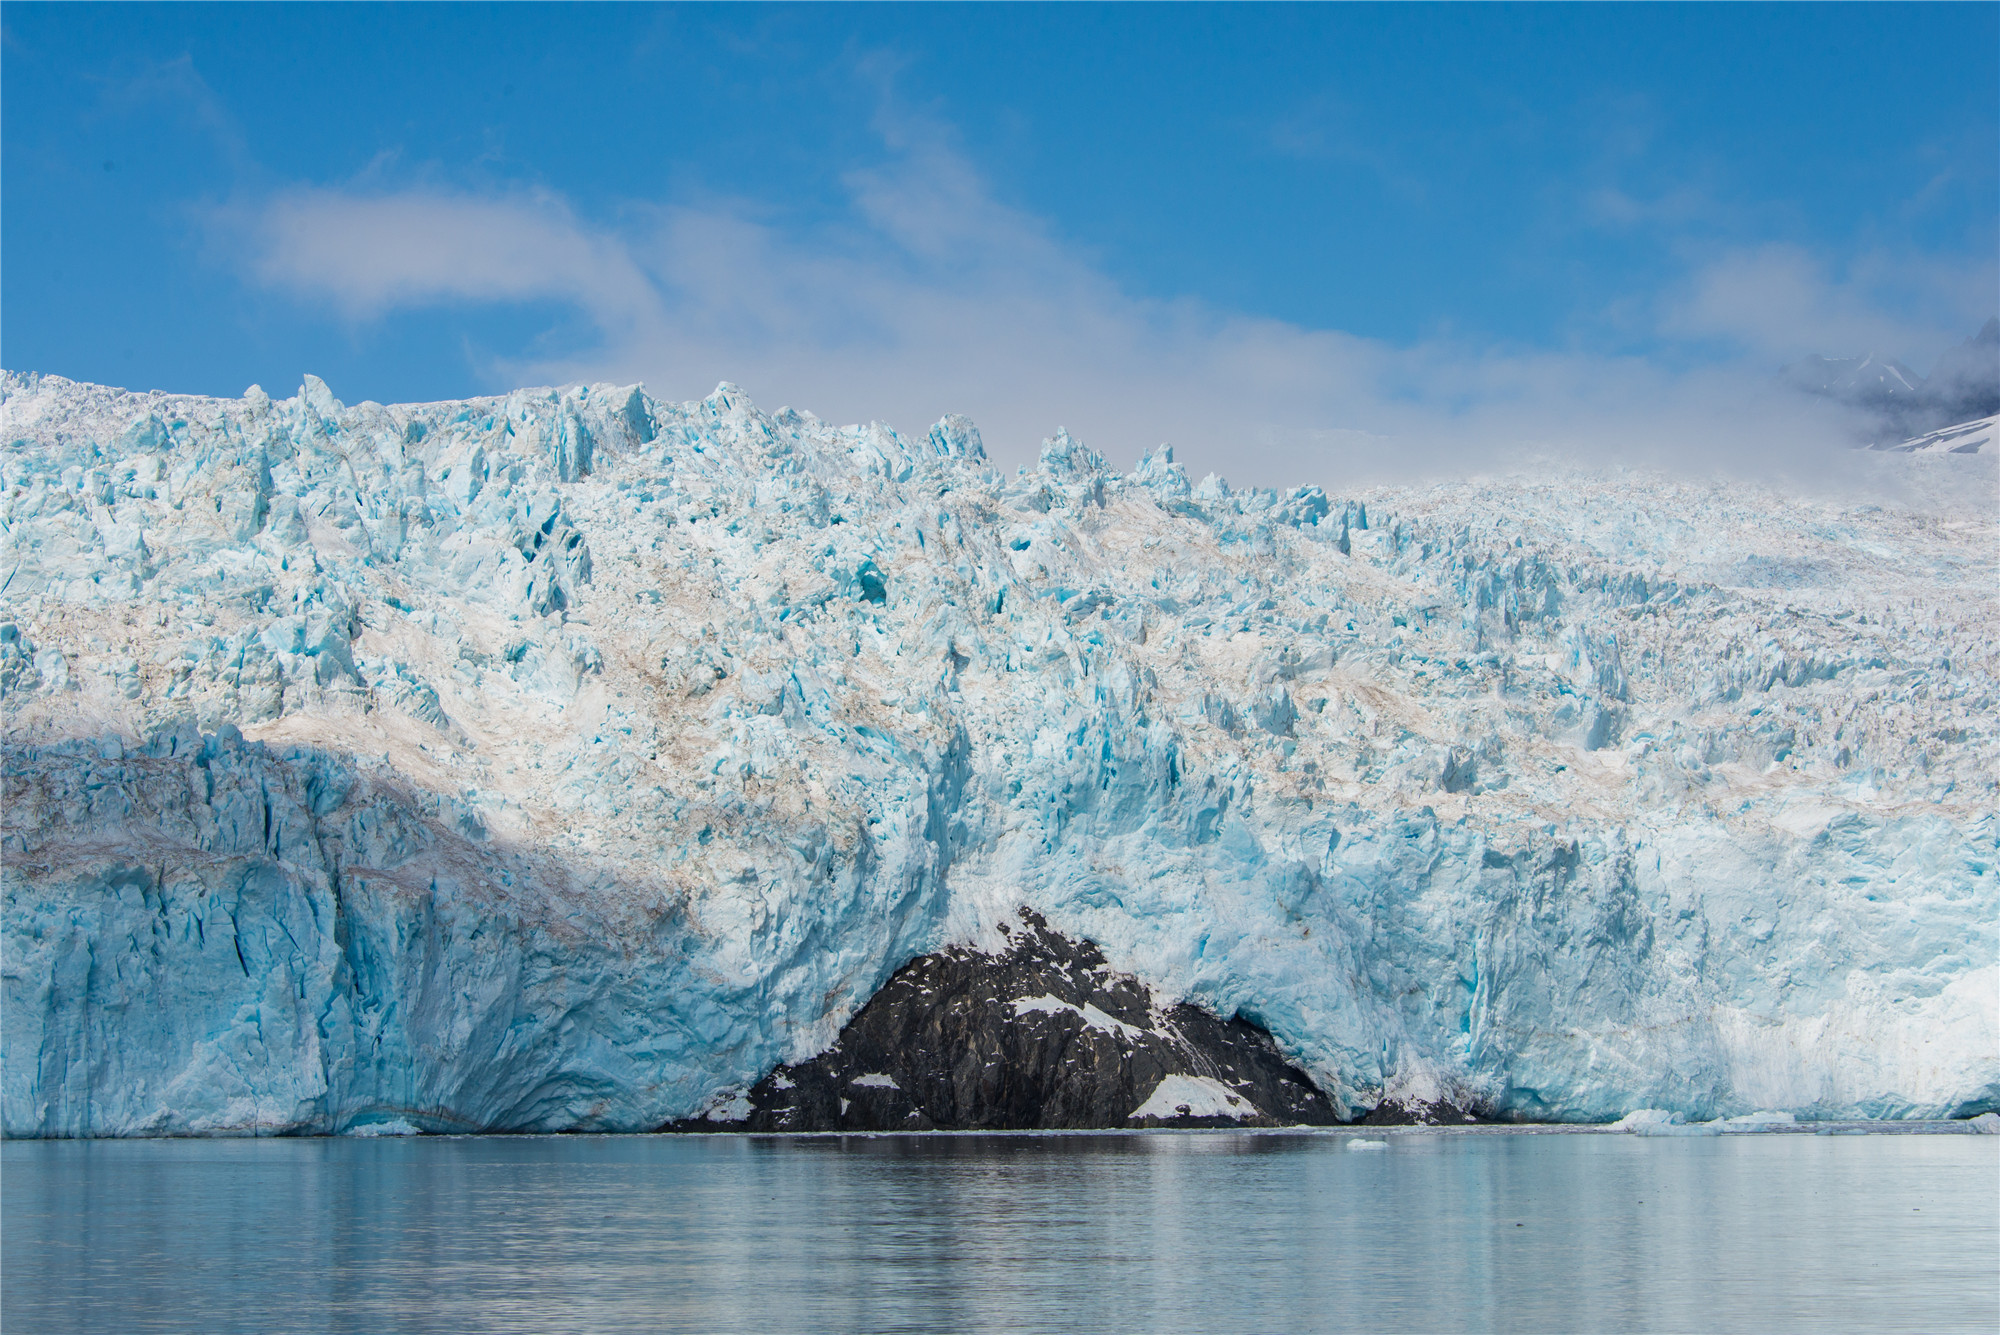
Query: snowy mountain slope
[1965,383]
[562,759]
[1867,378]
[1964,438]
[1896,403]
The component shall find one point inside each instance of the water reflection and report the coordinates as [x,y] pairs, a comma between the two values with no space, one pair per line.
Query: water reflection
[1119,1232]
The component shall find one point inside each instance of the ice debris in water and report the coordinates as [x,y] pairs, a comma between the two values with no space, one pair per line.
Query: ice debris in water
[568,759]
[1761,1120]
[1644,1118]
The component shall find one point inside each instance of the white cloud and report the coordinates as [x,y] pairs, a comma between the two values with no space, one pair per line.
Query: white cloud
[1780,302]
[368,253]
[933,297]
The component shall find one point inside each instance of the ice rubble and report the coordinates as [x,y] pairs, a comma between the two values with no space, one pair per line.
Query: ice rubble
[566,759]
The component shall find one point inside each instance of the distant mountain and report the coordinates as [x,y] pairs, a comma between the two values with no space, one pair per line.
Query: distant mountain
[1867,379]
[1966,380]
[1896,404]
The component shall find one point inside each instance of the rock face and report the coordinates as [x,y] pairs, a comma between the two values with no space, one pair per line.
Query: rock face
[568,758]
[1042,1036]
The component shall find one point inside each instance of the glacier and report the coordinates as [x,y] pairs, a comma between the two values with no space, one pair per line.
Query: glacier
[571,759]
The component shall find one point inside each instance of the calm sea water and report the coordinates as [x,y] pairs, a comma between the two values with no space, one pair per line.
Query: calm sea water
[1198,1231]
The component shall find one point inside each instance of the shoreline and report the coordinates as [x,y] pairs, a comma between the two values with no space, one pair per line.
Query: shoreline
[1684,1131]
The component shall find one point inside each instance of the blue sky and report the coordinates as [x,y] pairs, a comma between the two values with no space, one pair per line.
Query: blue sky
[1278,236]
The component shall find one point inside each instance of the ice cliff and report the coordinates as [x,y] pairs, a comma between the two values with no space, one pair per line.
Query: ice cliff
[571,759]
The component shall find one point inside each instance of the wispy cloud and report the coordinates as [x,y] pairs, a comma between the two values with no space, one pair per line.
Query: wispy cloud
[176,88]
[368,253]
[1779,302]
[932,296]
[1328,129]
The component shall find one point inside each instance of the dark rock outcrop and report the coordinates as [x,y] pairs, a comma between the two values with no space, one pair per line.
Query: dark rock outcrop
[1043,1036]
[1439,1112]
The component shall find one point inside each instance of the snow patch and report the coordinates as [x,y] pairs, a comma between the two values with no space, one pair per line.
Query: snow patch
[1092,1017]
[875,1080]
[1194,1096]
[1963,438]
[735,1107]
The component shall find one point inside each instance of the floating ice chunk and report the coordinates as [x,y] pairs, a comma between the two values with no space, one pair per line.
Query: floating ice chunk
[1645,1117]
[1762,1120]
[1194,1096]
[395,1126]
[1367,1144]
[1676,1129]
[1986,1124]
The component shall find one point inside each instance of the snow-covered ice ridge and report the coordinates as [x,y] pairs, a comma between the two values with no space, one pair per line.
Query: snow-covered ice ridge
[561,760]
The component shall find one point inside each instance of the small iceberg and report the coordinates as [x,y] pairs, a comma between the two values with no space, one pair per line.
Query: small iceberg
[1644,1117]
[1660,1122]
[1762,1120]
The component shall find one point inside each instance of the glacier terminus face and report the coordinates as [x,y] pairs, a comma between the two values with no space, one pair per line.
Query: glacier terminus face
[571,760]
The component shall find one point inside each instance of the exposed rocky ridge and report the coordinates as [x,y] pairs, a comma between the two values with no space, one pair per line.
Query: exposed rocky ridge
[600,754]
[1042,1036]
